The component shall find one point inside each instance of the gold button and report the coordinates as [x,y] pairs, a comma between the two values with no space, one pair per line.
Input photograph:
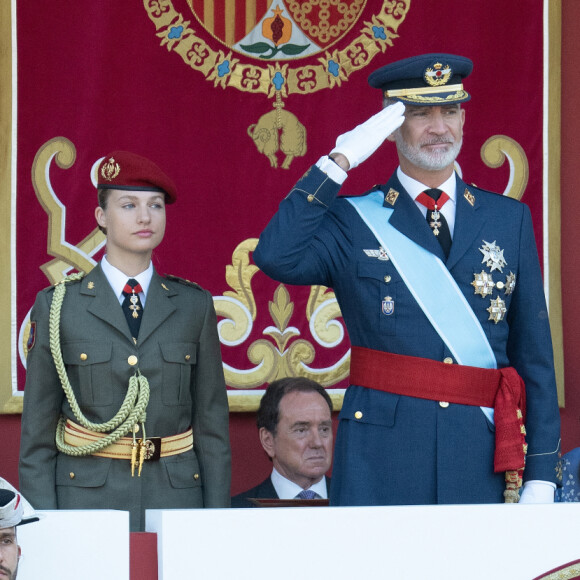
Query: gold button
[71,475]
[310,198]
[132,360]
[135,428]
[84,356]
[444,404]
[448,360]
[387,279]
[196,476]
[187,356]
[358,415]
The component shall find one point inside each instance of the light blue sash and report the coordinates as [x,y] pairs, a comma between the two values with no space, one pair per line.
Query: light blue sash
[431,284]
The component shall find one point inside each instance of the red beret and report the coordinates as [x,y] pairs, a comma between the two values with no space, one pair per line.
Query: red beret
[125,170]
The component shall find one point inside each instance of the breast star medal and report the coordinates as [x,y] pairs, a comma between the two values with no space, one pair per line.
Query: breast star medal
[497,310]
[492,256]
[510,283]
[483,284]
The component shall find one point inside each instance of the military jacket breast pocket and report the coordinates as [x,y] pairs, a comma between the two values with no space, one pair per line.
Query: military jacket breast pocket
[179,359]
[379,282]
[89,368]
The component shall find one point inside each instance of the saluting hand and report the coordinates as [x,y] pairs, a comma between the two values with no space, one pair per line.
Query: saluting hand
[360,143]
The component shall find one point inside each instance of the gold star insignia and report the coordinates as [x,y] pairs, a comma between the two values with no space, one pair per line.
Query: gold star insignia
[483,284]
[497,310]
[91,285]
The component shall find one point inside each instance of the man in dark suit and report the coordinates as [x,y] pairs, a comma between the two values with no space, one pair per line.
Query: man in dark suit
[125,403]
[441,291]
[295,428]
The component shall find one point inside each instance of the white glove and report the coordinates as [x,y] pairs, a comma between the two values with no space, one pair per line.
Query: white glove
[536,491]
[360,143]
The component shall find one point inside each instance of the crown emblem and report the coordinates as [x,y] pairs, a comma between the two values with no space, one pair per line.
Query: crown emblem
[437,75]
[110,170]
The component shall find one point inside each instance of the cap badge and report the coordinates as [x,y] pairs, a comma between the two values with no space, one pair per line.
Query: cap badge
[110,169]
[437,75]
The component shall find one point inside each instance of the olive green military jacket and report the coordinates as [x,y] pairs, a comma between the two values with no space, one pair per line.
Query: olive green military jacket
[178,351]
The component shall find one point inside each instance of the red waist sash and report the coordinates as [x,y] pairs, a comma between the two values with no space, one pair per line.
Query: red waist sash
[502,389]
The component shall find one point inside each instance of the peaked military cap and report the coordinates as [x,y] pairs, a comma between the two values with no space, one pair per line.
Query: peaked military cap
[427,79]
[125,170]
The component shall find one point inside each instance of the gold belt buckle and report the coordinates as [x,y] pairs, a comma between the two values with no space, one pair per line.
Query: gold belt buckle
[152,448]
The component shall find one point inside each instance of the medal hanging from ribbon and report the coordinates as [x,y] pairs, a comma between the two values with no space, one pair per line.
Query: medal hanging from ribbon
[132,305]
[434,200]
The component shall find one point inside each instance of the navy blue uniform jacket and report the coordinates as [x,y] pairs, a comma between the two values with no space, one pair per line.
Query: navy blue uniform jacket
[393,449]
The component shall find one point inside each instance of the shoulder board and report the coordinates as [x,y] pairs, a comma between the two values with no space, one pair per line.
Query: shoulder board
[183,281]
[77,277]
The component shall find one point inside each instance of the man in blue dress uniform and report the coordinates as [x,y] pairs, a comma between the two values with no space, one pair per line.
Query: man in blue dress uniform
[452,396]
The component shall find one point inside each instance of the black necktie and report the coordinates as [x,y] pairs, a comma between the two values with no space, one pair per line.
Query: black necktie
[132,306]
[437,221]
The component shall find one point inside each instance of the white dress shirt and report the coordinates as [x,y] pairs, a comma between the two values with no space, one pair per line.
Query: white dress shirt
[117,280]
[414,188]
[287,489]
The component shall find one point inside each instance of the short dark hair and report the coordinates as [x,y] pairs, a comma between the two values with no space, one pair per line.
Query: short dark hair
[269,411]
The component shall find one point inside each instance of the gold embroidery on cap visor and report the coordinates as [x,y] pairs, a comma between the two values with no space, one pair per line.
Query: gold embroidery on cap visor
[429,94]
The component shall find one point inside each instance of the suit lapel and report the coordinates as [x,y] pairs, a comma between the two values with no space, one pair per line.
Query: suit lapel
[408,219]
[469,220]
[104,301]
[158,306]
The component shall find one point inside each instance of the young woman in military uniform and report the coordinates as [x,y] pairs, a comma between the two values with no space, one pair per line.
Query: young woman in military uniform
[125,403]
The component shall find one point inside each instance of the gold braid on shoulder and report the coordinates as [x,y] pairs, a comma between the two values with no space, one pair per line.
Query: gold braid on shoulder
[132,411]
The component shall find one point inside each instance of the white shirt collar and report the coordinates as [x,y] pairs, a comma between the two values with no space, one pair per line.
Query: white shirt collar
[414,187]
[117,279]
[287,489]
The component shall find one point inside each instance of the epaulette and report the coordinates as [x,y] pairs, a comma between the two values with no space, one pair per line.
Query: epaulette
[76,277]
[183,281]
